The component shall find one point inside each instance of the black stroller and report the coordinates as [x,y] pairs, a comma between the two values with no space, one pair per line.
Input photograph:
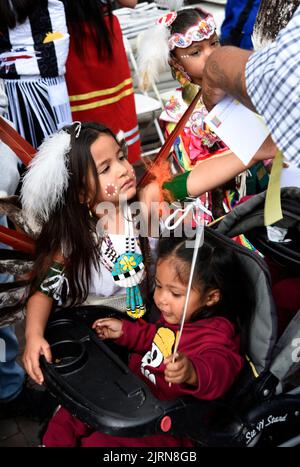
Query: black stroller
[283,253]
[263,407]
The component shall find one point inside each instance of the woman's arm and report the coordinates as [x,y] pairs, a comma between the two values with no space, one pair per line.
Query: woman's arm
[207,175]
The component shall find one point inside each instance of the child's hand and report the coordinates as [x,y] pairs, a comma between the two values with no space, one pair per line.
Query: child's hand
[108,328]
[35,346]
[180,371]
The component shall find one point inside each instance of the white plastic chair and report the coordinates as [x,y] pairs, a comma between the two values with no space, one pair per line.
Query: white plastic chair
[146,106]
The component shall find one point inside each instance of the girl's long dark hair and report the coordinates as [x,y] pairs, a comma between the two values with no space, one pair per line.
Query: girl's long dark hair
[71,230]
[80,13]
[216,268]
[16,11]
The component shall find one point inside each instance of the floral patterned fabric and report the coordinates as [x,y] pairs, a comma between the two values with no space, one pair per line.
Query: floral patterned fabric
[196,142]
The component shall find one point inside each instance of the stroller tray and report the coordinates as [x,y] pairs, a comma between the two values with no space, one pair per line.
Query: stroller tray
[89,379]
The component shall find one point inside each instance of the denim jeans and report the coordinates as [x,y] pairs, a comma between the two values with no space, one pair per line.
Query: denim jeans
[11,374]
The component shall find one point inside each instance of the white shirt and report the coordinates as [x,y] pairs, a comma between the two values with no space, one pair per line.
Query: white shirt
[26,50]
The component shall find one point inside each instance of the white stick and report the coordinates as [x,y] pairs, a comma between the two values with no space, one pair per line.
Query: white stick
[198,242]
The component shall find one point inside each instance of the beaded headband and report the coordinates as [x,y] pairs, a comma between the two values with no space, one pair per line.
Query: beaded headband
[203,30]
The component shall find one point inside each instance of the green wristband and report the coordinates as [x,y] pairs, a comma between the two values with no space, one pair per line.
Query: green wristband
[51,285]
[178,186]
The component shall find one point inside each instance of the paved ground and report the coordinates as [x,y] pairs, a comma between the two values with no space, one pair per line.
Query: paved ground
[19,432]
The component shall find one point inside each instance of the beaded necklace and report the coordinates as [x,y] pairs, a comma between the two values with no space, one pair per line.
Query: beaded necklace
[127,269]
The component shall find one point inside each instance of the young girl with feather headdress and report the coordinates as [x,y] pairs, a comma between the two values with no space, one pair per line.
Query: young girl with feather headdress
[184,39]
[75,196]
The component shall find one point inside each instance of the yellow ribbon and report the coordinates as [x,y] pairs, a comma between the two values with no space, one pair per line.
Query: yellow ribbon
[273,211]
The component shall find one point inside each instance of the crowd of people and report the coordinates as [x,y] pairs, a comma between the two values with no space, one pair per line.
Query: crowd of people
[68,90]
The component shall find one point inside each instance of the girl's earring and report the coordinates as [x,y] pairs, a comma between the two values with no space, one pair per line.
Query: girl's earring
[184,77]
[189,89]
[189,92]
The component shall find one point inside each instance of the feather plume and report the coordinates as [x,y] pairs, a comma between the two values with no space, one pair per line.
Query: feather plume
[172,5]
[46,180]
[153,54]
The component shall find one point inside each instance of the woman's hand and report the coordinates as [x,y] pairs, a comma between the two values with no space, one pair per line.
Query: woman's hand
[35,346]
[181,370]
[211,95]
[108,328]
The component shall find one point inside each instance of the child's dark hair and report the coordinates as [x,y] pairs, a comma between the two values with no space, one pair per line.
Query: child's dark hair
[186,19]
[215,269]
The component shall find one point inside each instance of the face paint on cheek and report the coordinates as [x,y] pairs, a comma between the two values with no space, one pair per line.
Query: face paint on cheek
[111,189]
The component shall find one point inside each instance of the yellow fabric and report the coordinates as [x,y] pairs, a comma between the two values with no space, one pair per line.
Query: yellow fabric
[273,211]
[101,92]
[93,105]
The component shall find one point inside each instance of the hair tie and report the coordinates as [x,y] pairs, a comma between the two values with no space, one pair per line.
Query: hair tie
[77,128]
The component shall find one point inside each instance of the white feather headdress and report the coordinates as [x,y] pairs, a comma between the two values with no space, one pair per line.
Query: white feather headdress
[153,49]
[153,54]
[172,5]
[46,179]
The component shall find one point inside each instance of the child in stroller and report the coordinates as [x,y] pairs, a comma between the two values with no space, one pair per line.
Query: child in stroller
[208,360]
[262,404]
